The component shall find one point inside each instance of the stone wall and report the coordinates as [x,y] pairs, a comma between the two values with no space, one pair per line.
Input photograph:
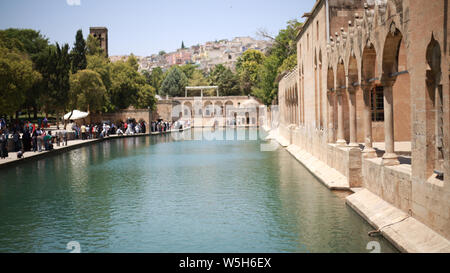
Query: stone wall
[403,47]
[145,115]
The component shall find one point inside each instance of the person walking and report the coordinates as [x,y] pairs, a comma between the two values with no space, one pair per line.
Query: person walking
[34,136]
[16,139]
[83,132]
[3,145]
[26,140]
[40,140]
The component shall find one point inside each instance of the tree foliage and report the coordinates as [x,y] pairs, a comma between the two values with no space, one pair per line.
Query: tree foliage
[79,61]
[87,91]
[55,79]
[29,41]
[226,80]
[247,68]
[282,56]
[93,46]
[156,78]
[146,98]
[16,79]
[175,83]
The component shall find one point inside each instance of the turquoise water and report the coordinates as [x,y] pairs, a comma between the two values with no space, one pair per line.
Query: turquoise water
[155,194]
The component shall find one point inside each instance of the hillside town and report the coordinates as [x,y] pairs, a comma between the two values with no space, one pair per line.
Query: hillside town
[205,56]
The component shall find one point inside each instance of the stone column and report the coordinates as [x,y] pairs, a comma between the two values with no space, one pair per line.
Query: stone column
[389,158]
[369,151]
[352,101]
[330,116]
[340,134]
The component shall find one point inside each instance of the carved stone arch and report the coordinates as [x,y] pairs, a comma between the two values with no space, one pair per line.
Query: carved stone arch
[433,57]
[369,64]
[391,50]
[435,151]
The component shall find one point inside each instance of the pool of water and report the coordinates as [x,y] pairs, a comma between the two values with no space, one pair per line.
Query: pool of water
[159,194]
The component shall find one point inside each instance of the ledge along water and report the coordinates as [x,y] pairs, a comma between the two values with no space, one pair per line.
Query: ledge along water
[165,194]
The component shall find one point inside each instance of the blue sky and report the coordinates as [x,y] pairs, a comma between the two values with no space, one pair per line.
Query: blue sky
[144,27]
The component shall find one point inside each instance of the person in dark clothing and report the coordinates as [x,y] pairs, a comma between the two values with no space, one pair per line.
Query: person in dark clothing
[3,146]
[34,140]
[16,139]
[26,141]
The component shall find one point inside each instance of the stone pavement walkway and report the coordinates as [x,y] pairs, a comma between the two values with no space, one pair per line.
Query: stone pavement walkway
[406,233]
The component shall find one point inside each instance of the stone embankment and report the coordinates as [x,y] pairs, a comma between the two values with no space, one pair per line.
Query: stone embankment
[405,232]
[12,160]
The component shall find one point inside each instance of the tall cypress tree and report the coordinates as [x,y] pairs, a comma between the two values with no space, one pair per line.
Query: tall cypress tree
[78,53]
[182,45]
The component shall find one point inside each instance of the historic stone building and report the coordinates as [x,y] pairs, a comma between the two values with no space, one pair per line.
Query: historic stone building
[101,33]
[370,99]
[221,111]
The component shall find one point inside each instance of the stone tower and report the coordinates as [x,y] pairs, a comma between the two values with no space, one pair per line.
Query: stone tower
[101,33]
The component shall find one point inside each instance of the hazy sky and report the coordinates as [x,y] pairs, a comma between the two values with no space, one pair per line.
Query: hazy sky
[144,27]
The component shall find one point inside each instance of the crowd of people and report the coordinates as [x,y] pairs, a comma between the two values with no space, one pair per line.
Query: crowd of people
[28,136]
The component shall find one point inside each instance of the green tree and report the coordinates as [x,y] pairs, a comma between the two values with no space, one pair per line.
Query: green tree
[16,79]
[32,43]
[285,44]
[226,80]
[282,56]
[156,78]
[247,68]
[79,61]
[93,46]
[29,41]
[62,79]
[54,65]
[188,70]
[87,91]
[126,82]
[100,64]
[267,87]
[288,64]
[146,98]
[198,79]
[132,61]
[175,83]
[182,45]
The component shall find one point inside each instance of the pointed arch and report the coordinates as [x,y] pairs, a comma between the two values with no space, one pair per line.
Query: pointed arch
[434,109]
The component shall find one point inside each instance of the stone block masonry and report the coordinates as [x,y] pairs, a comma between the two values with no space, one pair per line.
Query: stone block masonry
[373,78]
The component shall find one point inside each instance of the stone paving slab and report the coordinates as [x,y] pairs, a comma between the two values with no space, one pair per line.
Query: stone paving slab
[280,139]
[328,176]
[405,232]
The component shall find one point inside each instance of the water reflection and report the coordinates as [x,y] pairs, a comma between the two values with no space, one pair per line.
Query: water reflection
[156,194]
